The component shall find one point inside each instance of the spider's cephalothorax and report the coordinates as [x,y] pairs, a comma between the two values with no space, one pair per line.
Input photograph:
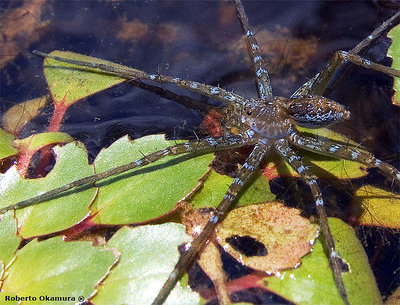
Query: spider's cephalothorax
[276,117]
[267,122]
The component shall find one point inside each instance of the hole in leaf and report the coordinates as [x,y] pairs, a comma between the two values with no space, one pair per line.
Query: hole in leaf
[247,245]
[344,267]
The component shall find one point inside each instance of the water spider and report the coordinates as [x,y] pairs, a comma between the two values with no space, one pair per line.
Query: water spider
[265,124]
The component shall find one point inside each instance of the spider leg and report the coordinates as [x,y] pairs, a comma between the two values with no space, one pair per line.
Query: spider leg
[216,93]
[245,173]
[341,151]
[296,163]
[306,88]
[320,81]
[375,34]
[198,146]
[263,82]
[337,60]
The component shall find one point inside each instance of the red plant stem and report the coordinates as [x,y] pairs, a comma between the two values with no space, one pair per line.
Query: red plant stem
[58,115]
[54,126]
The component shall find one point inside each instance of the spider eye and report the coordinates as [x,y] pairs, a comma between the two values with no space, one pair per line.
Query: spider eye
[249,112]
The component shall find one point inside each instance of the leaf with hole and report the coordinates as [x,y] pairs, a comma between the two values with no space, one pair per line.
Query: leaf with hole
[56,214]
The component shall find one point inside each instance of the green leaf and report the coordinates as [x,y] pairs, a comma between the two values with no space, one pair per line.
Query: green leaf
[378,207]
[144,193]
[313,281]
[70,83]
[394,53]
[148,255]
[55,268]
[56,214]
[216,185]
[339,168]
[9,240]
[36,142]
[6,148]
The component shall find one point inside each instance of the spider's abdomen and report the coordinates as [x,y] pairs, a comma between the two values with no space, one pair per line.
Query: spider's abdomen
[316,111]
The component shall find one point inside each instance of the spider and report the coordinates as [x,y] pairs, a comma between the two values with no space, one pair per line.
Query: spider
[267,123]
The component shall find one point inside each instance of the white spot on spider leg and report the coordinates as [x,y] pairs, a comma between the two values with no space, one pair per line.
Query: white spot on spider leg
[333,148]
[194,85]
[249,133]
[333,254]
[228,196]
[165,152]
[250,167]
[214,218]
[138,162]
[261,71]
[230,98]
[214,91]
[212,142]
[257,58]
[238,181]
[153,76]
[188,147]
[355,154]
[301,169]
[249,33]
[319,201]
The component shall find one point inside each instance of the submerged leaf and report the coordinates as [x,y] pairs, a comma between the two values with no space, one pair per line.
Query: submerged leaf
[69,83]
[55,268]
[148,255]
[18,115]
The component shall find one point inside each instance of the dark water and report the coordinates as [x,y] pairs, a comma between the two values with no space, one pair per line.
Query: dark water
[201,41]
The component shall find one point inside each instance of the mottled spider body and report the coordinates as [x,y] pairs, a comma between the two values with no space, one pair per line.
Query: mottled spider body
[277,117]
